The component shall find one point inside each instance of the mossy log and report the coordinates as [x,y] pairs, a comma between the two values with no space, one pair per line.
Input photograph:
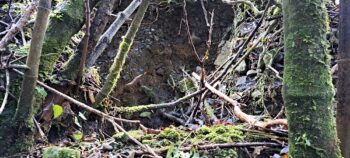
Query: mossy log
[308,91]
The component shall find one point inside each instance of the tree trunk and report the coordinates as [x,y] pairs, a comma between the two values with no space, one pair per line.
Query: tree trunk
[64,23]
[308,91]
[119,60]
[343,88]
[17,135]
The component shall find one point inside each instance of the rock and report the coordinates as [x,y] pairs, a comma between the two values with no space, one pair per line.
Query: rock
[241,68]
[252,73]
[107,147]
[241,80]
[256,94]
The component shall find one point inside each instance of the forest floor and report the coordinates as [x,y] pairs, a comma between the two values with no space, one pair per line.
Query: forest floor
[244,117]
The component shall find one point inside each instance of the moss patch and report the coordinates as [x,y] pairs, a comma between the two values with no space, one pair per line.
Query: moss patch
[58,152]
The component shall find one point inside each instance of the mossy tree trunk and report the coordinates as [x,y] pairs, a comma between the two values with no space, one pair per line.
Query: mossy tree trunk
[65,22]
[343,88]
[17,134]
[119,60]
[308,91]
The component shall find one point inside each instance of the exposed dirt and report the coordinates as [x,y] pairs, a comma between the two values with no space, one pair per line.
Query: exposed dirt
[161,50]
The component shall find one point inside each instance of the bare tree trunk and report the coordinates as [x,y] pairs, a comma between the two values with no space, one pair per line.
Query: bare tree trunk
[308,91]
[343,88]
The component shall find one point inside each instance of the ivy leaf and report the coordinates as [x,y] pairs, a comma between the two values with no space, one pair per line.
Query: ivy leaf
[57,111]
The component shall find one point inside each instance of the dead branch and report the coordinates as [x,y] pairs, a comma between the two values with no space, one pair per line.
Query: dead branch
[107,37]
[23,21]
[237,110]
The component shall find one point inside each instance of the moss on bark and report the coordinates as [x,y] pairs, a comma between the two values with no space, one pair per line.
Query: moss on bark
[65,21]
[308,89]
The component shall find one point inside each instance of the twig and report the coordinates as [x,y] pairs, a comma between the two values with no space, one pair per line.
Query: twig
[173,118]
[86,44]
[205,13]
[4,101]
[189,32]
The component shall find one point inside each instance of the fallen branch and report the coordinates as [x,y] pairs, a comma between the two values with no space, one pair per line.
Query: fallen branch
[237,110]
[23,21]
[140,108]
[78,103]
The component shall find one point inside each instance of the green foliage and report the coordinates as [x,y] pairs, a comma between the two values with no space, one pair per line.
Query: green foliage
[57,111]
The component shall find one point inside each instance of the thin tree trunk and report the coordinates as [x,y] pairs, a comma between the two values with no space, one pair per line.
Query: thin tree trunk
[308,91]
[343,88]
[24,108]
[16,134]
[119,60]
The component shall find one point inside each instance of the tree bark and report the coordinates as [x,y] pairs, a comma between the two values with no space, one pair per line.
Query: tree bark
[343,87]
[119,60]
[308,91]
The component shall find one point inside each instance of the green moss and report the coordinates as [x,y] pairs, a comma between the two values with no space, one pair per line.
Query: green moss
[59,152]
[121,136]
[218,134]
[172,134]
